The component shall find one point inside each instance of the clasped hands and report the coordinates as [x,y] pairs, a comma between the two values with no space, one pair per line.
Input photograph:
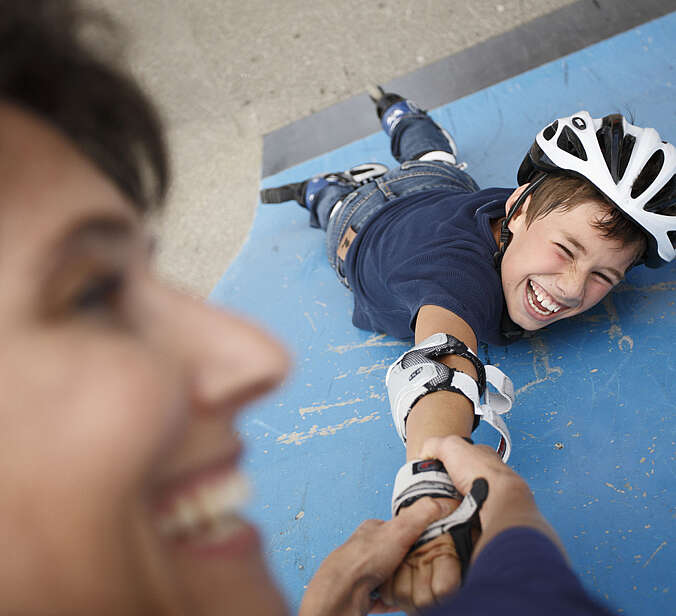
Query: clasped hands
[375,556]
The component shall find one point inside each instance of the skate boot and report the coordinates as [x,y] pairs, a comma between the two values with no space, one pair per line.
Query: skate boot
[391,108]
[305,192]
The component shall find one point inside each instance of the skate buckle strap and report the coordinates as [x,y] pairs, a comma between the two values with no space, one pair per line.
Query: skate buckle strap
[396,112]
[420,478]
[416,373]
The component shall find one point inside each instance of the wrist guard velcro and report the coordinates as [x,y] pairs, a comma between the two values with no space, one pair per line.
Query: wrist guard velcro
[421,478]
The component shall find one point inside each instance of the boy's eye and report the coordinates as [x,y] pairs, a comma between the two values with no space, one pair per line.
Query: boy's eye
[100,292]
[564,249]
[604,278]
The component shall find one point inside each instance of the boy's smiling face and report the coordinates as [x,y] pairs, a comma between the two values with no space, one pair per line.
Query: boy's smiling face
[560,265]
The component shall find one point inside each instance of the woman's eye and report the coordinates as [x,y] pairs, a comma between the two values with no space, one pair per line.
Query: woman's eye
[100,292]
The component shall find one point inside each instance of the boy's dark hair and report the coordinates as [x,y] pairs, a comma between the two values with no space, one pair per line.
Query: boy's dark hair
[564,192]
[49,66]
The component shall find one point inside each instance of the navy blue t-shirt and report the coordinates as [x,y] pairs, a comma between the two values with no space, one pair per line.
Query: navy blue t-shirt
[520,573]
[434,247]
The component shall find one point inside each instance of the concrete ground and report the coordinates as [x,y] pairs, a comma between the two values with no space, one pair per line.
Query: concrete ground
[225,73]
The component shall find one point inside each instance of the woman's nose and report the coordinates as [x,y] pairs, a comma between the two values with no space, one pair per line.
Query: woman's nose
[228,360]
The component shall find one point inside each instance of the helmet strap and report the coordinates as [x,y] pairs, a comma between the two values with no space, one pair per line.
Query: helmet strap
[505,233]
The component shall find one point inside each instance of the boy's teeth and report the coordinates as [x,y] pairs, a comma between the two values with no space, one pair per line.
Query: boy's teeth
[208,506]
[534,307]
[544,300]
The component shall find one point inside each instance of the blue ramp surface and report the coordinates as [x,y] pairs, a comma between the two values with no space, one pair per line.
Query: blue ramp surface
[593,426]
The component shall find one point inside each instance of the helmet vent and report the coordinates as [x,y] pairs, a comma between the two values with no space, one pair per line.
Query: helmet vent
[648,174]
[550,131]
[625,154]
[612,140]
[672,238]
[664,202]
[569,142]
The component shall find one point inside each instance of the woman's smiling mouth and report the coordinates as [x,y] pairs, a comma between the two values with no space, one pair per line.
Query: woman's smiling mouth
[201,511]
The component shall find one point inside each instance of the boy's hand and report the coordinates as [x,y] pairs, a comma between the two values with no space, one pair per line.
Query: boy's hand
[425,577]
[345,580]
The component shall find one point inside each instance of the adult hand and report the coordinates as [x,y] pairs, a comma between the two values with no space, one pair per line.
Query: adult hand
[510,502]
[426,576]
[345,580]
[433,571]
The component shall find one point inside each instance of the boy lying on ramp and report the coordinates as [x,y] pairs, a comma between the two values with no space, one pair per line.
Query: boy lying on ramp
[429,255]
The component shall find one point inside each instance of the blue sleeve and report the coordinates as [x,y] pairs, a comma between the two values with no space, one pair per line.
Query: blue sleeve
[470,289]
[521,573]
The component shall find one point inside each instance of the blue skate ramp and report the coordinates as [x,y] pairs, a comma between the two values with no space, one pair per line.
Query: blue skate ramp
[593,425]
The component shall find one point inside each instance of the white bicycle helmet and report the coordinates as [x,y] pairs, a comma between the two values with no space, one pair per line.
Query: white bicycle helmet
[630,165]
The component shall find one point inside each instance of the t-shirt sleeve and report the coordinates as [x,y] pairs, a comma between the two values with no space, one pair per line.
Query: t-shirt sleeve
[521,573]
[466,288]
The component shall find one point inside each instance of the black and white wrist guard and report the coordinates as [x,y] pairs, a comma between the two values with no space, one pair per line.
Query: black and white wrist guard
[416,373]
[420,478]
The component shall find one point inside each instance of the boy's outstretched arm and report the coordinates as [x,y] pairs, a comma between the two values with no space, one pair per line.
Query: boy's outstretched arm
[433,570]
[443,412]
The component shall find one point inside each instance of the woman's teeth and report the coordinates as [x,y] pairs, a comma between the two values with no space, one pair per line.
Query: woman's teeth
[209,508]
[545,304]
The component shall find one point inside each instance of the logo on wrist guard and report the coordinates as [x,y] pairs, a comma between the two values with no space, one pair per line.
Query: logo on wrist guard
[427,465]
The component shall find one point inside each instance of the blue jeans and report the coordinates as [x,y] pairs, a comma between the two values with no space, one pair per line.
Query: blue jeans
[415,135]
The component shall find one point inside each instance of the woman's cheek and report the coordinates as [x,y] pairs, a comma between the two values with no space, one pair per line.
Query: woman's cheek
[139,412]
[102,404]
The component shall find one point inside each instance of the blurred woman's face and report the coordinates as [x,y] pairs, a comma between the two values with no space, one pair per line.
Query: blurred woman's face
[119,487]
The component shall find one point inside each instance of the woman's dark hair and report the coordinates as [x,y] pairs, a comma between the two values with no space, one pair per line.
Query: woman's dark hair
[56,60]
